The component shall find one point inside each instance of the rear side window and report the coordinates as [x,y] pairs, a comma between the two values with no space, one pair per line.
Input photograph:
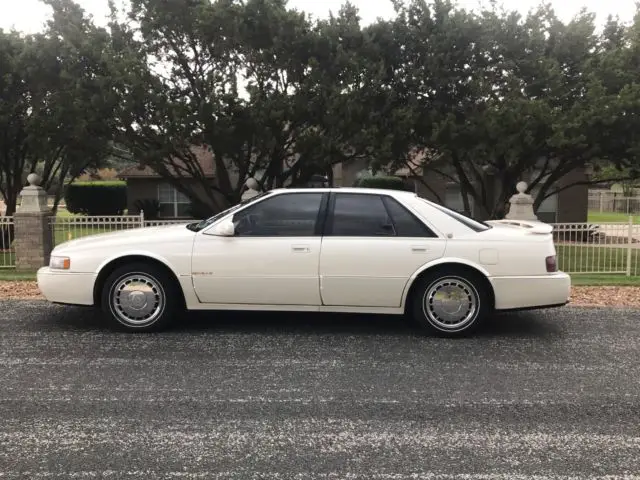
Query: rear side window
[368,215]
[360,215]
[406,223]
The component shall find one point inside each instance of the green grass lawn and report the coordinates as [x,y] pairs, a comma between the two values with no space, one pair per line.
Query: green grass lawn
[10,275]
[7,258]
[604,217]
[77,231]
[600,280]
[586,258]
[571,258]
[64,213]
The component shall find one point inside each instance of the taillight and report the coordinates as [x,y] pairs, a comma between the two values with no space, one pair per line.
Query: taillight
[552,264]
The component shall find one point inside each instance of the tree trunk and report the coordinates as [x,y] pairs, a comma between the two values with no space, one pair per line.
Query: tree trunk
[465,200]
[11,202]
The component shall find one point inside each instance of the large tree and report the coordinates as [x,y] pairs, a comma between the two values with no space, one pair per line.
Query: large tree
[259,84]
[57,103]
[493,97]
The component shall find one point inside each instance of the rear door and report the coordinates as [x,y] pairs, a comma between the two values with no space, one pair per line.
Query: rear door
[371,247]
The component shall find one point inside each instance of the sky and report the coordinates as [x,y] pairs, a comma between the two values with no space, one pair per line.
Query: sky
[29,15]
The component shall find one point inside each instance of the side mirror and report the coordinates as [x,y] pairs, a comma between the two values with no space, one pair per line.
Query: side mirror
[224,229]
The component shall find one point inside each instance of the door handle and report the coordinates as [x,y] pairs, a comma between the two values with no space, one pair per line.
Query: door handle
[300,248]
[419,248]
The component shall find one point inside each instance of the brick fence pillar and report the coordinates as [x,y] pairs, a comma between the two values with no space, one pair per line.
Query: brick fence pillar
[32,222]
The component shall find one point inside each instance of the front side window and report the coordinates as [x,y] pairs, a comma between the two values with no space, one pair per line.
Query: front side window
[196,227]
[285,215]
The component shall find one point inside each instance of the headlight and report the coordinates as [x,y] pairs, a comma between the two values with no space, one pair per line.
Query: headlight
[60,263]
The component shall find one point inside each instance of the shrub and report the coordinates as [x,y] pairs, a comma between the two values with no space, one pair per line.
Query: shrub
[96,198]
[150,207]
[389,183]
[200,211]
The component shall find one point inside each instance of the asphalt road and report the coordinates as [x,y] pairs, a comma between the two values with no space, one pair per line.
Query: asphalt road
[540,395]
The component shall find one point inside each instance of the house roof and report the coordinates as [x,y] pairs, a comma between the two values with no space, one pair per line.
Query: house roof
[203,156]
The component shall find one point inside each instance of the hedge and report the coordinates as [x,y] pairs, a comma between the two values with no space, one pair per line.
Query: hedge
[389,183]
[96,198]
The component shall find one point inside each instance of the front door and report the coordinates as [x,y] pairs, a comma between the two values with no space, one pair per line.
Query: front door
[272,259]
[371,248]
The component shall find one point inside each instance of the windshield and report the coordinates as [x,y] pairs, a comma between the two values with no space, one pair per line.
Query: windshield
[474,225]
[196,227]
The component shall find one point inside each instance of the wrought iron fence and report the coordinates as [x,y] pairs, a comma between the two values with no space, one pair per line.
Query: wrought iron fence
[602,248]
[70,228]
[612,202]
[160,223]
[7,254]
[582,248]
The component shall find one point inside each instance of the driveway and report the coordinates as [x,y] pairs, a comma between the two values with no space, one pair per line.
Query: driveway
[540,395]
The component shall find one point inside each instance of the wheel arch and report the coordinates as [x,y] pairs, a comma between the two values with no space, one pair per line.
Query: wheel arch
[443,264]
[108,267]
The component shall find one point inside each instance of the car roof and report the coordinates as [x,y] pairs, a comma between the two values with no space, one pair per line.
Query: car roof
[364,190]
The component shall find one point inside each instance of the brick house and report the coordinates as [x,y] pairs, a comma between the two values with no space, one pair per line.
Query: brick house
[567,206]
[570,205]
[143,183]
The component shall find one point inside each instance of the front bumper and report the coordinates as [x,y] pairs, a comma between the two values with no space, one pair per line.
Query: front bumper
[66,287]
[531,292]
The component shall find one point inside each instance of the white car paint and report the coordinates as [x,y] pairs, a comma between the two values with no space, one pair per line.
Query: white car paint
[320,273]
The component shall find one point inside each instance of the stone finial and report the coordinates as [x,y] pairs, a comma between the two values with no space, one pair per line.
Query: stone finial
[33,197]
[252,184]
[34,180]
[253,189]
[521,204]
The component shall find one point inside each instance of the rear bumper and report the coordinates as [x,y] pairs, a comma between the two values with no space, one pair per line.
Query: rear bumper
[66,287]
[519,293]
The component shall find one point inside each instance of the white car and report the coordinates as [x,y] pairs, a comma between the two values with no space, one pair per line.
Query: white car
[315,250]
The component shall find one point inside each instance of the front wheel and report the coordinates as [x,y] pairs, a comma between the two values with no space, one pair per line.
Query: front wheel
[450,303]
[139,297]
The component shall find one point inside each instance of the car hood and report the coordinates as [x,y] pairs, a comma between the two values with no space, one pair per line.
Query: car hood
[132,236]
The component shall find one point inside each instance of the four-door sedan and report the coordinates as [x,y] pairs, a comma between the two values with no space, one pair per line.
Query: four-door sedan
[322,249]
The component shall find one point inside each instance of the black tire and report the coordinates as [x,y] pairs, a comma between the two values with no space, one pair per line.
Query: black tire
[425,309]
[161,297]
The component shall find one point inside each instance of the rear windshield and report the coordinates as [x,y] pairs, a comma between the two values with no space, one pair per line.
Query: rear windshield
[469,222]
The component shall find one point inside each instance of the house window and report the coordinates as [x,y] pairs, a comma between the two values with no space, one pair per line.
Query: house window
[172,202]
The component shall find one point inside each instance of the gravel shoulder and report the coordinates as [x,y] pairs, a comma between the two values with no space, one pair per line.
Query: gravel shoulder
[601,296]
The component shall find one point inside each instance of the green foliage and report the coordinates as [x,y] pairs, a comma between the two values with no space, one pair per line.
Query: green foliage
[483,99]
[295,120]
[150,207]
[200,212]
[387,182]
[57,102]
[96,198]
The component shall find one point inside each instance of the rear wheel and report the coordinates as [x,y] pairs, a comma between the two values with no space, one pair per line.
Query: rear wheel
[139,298]
[450,302]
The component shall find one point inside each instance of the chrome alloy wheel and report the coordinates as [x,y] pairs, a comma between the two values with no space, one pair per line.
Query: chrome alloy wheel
[450,303]
[137,299]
